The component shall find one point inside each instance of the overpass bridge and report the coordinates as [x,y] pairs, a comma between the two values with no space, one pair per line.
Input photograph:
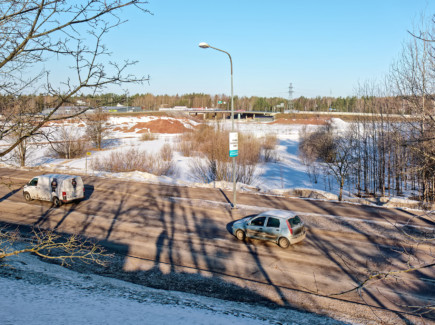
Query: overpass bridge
[224,114]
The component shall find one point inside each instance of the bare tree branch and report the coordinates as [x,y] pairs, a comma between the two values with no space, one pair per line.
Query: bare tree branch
[49,245]
[32,31]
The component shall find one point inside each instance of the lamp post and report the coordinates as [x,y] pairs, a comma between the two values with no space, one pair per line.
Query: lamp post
[206,46]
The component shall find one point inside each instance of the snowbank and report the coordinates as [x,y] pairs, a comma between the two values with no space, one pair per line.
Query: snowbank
[38,293]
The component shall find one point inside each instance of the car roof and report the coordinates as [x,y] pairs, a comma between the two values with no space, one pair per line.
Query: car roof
[58,176]
[284,214]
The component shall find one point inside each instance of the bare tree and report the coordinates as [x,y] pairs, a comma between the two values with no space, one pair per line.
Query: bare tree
[22,151]
[97,127]
[412,78]
[334,151]
[67,142]
[34,31]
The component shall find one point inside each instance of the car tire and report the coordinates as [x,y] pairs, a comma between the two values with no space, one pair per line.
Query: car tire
[56,202]
[240,234]
[283,242]
[27,196]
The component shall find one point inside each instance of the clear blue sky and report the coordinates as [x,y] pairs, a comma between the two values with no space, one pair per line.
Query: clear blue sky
[322,47]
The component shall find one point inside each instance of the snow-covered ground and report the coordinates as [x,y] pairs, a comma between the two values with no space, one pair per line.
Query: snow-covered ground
[286,173]
[35,292]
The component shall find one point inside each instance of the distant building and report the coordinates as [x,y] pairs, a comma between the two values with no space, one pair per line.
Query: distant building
[64,110]
[121,109]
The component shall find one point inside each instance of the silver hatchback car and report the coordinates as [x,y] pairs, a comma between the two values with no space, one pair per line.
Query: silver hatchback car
[282,227]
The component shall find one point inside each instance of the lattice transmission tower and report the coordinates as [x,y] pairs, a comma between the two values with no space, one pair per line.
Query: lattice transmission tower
[290,96]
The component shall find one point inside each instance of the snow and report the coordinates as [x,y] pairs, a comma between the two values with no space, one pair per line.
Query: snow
[286,175]
[339,124]
[35,292]
[287,172]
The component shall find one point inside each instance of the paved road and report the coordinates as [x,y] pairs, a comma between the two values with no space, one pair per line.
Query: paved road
[181,229]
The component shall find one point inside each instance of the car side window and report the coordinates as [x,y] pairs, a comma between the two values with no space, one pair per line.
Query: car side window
[258,221]
[33,182]
[273,222]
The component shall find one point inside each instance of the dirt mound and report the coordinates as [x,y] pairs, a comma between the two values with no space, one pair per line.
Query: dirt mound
[171,126]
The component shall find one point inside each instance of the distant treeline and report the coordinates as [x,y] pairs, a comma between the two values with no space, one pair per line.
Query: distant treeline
[199,100]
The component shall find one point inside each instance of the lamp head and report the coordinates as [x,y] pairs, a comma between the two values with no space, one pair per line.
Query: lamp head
[204,45]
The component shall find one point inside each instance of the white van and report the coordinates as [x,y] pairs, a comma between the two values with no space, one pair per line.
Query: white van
[57,188]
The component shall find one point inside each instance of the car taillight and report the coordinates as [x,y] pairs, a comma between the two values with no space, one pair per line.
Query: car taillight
[64,195]
[289,227]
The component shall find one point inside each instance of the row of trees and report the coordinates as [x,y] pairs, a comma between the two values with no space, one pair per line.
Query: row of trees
[149,101]
[380,154]
[200,100]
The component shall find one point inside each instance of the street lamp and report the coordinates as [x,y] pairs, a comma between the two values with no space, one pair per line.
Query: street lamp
[204,45]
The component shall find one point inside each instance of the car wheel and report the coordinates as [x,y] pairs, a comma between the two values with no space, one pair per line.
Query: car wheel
[27,196]
[283,242]
[56,201]
[240,234]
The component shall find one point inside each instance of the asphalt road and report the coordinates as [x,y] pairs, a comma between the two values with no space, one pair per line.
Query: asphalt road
[186,230]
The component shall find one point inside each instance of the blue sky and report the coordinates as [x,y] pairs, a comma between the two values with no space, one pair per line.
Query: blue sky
[322,47]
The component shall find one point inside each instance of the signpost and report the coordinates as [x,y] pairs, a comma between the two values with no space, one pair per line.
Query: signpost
[234,144]
[86,164]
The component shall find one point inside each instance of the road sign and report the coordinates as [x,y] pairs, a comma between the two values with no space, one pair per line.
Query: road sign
[219,102]
[88,153]
[234,144]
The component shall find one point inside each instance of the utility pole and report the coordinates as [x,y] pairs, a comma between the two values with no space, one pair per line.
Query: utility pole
[290,97]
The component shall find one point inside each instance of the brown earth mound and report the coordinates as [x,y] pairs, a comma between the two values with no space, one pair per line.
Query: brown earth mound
[156,126]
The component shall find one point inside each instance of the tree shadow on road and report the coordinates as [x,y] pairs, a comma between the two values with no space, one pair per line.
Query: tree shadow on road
[8,195]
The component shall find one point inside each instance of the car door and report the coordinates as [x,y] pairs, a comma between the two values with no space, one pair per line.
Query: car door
[271,230]
[32,188]
[255,228]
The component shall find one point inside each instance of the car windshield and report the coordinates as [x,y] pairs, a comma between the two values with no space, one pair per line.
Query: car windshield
[295,221]
[33,182]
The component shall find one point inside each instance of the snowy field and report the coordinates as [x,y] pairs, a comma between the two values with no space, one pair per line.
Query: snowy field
[286,172]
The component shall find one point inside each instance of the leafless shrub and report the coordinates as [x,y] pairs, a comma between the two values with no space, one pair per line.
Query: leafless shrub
[166,152]
[215,164]
[308,155]
[135,160]
[148,136]
[186,147]
[68,143]
[249,149]
[201,170]
[245,173]
[268,147]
